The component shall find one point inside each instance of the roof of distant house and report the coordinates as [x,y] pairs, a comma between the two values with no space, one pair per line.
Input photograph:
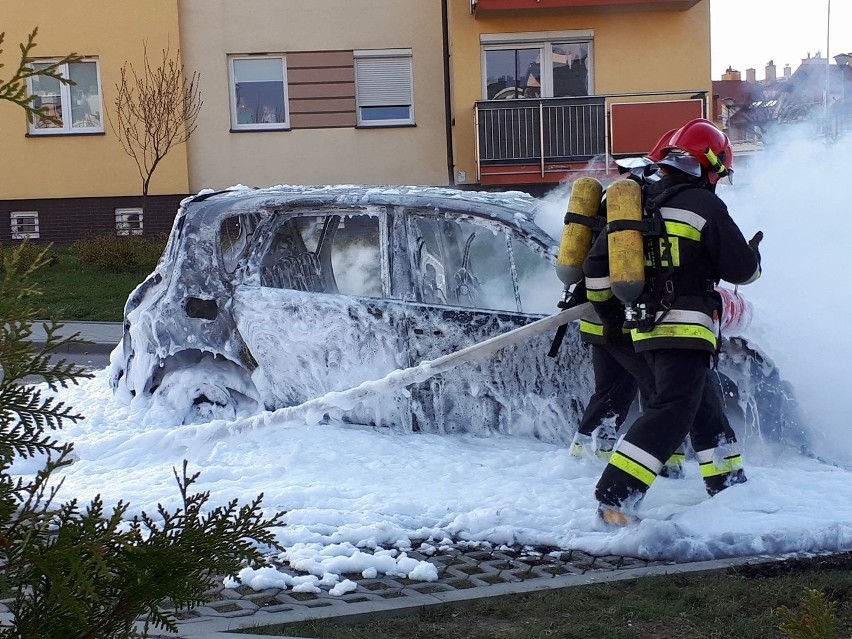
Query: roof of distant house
[740,91]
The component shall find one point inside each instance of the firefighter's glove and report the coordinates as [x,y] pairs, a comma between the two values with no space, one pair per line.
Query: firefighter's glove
[755,242]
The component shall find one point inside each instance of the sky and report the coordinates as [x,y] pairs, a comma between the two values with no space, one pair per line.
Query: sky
[748,33]
[359,499]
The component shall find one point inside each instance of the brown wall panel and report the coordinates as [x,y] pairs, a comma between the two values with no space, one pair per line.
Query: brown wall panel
[326,90]
[318,75]
[637,126]
[302,59]
[322,120]
[325,105]
[321,88]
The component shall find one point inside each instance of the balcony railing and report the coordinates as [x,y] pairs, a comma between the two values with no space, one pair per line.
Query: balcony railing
[554,135]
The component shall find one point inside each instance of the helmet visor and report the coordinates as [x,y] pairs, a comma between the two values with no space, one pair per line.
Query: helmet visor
[682,162]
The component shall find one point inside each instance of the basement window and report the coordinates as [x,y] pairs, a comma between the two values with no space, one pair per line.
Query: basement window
[24,225]
[128,221]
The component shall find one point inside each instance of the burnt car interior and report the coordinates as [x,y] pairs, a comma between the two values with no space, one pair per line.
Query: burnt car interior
[328,253]
[454,261]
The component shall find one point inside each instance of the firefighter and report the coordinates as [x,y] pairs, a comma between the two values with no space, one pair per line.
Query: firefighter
[619,373]
[675,320]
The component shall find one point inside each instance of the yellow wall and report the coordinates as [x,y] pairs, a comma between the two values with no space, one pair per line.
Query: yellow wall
[113,31]
[633,51]
[212,29]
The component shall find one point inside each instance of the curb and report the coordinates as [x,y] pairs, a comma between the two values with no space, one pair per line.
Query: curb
[229,627]
[98,348]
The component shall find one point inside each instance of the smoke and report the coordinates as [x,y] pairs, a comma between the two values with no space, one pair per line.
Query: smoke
[552,208]
[357,268]
[795,191]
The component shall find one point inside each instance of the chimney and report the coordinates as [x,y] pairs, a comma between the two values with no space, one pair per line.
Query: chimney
[770,72]
[731,74]
[788,71]
[751,75]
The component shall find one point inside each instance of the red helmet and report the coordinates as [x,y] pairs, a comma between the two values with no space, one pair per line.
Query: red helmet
[702,140]
[656,154]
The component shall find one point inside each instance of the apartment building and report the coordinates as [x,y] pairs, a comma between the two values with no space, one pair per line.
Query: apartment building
[474,93]
[65,181]
[542,89]
[324,92]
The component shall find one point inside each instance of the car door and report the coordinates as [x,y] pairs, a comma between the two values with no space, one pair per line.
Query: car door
[314,313]
[476,278]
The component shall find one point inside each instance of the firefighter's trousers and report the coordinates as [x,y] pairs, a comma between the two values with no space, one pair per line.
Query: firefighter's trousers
[685,401]
[617,370]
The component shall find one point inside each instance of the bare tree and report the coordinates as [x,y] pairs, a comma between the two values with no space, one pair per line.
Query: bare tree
[155,110]
[16,90]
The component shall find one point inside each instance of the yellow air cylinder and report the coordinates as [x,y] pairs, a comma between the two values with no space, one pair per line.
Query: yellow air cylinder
[576,241]
[626,247]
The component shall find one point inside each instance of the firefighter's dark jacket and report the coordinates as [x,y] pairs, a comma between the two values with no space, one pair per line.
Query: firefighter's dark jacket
[706,247]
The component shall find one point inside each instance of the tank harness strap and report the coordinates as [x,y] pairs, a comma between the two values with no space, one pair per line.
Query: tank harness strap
[647,226]
[595,222]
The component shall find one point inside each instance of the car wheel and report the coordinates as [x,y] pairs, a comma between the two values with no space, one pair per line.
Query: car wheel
[208,390]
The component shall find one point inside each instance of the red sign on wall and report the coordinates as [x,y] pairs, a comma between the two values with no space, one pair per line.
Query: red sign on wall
[636,126]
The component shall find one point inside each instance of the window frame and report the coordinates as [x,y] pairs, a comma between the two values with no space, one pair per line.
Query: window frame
[123,226]
[15,225]
[544,41]
[65,99]
[232,91]
[377,56]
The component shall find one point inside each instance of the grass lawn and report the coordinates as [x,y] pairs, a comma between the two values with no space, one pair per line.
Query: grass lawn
[72,291]
[737,603]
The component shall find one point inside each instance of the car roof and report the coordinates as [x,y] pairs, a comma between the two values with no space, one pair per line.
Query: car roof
[513,208]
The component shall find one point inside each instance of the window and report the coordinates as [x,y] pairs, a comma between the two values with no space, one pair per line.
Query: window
[384,88]
[326,253]
[538,284]
[529,69]
[259,93]
[235,234]
[463,264]
[24,225]
[128,221]
[77,107]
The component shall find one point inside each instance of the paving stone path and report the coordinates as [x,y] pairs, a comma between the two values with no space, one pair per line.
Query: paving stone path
[464,574]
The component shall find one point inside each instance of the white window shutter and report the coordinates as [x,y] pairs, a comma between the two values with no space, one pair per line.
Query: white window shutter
[383,81]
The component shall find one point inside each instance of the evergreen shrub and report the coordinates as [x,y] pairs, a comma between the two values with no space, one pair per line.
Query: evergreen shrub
[119,254]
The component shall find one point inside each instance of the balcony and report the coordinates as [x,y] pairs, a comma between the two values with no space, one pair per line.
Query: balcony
[483,6]
[544,140]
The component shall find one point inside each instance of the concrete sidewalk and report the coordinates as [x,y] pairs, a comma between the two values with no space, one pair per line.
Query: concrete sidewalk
[103,335]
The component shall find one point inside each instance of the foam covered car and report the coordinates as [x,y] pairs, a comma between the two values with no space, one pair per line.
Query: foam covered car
[270,297]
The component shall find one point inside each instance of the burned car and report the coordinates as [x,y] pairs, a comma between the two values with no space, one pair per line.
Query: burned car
[270,297]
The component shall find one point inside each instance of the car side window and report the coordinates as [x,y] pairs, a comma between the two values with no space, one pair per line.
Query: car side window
[461,263]
[337,252]
[356,256]
[235,232]
[539,286]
